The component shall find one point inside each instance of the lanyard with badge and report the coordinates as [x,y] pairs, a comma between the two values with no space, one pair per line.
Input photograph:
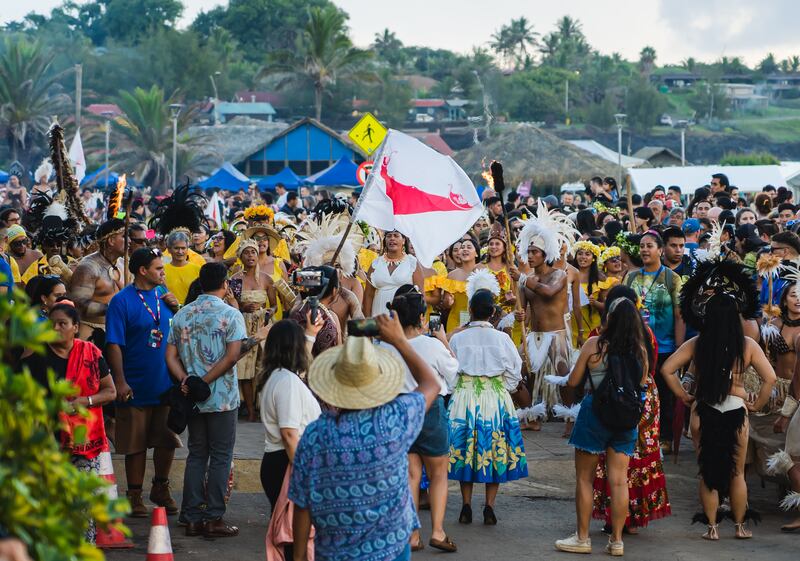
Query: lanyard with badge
[156,335]
[645,311]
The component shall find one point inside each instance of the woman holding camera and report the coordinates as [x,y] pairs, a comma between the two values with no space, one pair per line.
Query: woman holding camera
[485,440]
[320,299]
[432,446]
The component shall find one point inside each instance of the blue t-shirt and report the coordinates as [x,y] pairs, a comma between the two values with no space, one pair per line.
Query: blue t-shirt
[351,472]
[6,276]
[128,324]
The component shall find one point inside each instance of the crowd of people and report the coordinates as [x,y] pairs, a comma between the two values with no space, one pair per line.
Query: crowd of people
[635,321]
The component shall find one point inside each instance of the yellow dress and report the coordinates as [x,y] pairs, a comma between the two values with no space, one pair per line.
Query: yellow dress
[432,283]
[276,276]
[459,312]
[506,286]
[180,278]
[590,316]
[248,366]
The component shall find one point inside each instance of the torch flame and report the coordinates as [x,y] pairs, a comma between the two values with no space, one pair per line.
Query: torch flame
[115,201]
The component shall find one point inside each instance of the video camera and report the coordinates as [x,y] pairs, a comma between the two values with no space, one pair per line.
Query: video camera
[310,283]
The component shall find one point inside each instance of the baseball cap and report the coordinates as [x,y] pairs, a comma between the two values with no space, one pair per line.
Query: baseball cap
[551,201]
[691,225]
[15,232]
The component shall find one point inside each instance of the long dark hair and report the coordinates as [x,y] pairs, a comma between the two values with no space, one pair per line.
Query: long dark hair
[594,274]
[719,350]
[285,348]
[409,305]
[624,331]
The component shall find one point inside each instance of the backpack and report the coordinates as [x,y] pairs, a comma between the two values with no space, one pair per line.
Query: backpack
[617,401]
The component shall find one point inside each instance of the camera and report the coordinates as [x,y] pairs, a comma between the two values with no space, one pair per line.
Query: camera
[309,281]
[367,327]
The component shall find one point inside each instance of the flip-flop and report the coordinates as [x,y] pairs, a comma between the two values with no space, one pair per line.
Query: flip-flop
[446,544]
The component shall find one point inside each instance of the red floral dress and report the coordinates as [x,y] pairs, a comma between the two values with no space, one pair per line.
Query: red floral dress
[647,486]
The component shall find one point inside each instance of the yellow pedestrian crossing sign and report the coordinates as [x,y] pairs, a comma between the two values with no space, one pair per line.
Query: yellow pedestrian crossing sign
[368,133]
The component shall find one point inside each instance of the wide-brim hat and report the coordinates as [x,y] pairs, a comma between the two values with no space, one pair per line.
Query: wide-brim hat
[356,375]
[255,227]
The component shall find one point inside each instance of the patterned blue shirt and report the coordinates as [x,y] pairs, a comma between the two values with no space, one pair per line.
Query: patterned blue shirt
[351,472]
[201,332]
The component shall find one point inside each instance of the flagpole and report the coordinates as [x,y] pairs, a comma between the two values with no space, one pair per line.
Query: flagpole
[367,185]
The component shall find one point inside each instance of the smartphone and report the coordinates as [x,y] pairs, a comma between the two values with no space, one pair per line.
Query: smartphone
[434,323]
[307,279]
[362,327]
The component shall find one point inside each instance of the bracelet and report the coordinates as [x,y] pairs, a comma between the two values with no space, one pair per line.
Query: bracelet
[90,401]
[310,339]
[789,406]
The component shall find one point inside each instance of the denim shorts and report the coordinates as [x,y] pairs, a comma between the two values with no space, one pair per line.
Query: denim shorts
[433,439]
[590,435]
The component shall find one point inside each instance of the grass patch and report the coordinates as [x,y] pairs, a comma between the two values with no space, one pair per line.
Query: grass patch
[777,131]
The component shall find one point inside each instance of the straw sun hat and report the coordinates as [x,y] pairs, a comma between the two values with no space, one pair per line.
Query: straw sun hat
[356,375]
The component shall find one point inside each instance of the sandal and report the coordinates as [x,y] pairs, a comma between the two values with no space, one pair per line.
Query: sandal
[712,533]
[466,515]
[419,546]
[446,544]
[742,533]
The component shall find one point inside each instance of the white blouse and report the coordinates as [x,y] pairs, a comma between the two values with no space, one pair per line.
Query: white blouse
[286,403]
[482,350]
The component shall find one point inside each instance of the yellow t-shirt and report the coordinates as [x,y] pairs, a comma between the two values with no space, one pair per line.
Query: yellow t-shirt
[15,276]
[38,267]
[179,279]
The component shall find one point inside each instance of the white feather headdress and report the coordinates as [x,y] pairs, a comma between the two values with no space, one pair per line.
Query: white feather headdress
[45,170]
[548,230]
[317,242]
[482,279]
[714,244]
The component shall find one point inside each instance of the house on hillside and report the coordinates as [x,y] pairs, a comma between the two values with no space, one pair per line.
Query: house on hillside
[744,96]
[429,110]
[224,111]
[780,84]
[658,156]
[676,79]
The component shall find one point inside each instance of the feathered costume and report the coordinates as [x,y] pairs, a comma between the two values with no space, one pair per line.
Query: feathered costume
[182,210]
[551,353]
[720,423]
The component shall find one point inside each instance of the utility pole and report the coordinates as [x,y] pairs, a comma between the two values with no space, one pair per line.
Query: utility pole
[175,109]
[487,115]
[566,102]
[78,93]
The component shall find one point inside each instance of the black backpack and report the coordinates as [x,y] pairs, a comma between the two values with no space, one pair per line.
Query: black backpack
[617,399]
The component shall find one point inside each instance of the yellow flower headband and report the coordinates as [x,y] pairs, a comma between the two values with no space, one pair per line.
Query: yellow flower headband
[609,253]
[585,245]
[260,213]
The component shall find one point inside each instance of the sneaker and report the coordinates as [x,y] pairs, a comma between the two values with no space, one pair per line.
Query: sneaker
[161,496]
[615,549]
[138,510]
[573,544]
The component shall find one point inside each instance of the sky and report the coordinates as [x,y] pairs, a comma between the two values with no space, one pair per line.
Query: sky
[677,29]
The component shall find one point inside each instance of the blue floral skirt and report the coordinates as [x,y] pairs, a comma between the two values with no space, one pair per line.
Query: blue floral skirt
[485,439]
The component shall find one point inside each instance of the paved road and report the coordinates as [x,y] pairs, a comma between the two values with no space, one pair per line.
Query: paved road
[532,514]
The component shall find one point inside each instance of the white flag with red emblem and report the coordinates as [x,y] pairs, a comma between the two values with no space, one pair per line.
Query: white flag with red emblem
[420,193]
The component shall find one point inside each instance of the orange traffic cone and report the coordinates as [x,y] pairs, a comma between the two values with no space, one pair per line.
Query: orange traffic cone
[111,538]
[159,547]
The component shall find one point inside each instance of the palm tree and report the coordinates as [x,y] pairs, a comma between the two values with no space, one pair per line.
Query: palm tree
[389,47]
[324,54]
[28,93]
[794,63]
[690,64]
[569,29]
[501,43]
[143,138]
[647,58]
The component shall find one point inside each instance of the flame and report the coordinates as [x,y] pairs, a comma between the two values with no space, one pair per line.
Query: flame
[487,174]
[115,201]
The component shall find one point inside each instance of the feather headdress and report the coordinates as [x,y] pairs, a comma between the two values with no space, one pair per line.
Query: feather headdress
[549,231]
[66,182]
[714,244]
[713,277]
[45,170]
[482,279]
[318,240]
[183,209]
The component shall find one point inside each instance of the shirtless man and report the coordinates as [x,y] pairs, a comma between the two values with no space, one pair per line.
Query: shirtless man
[97,279]
[545,292]
[346,303]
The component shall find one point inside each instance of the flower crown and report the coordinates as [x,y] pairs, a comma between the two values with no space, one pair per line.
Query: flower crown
[626,245]
[585,245]
[600,207]
[609,253]
[259,213]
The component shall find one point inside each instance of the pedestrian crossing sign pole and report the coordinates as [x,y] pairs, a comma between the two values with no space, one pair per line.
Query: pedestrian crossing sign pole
[368,133]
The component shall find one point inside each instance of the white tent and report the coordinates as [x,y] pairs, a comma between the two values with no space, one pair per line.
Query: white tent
[594,147]
[747,178]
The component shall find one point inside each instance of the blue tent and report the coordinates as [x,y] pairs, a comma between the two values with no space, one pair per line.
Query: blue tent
[91,177]
[342,173]
[3,176]
[286,176]
[226,177]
